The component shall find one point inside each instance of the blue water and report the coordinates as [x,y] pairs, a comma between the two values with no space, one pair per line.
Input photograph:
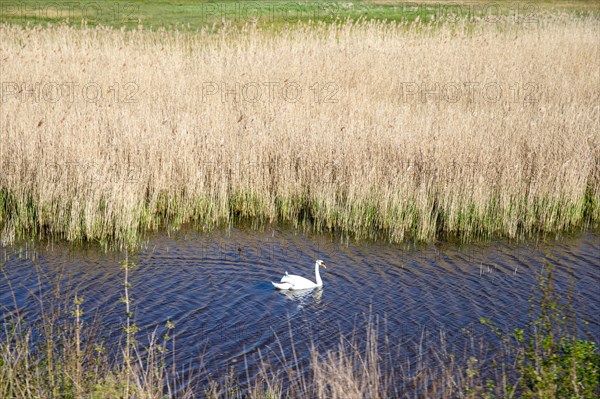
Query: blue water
[215,288]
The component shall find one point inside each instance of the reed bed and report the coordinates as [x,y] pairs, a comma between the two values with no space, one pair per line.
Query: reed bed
[396,131]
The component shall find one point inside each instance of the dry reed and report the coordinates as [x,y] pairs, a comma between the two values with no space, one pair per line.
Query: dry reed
[377,130]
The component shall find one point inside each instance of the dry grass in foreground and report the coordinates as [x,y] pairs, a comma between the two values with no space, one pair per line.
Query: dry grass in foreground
[372,129]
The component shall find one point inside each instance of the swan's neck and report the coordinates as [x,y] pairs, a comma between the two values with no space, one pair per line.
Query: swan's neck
[318,276]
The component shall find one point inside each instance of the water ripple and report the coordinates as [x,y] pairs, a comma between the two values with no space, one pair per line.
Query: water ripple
[216,289]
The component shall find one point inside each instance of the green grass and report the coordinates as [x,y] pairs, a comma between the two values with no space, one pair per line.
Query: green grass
[194,15]
[187,14]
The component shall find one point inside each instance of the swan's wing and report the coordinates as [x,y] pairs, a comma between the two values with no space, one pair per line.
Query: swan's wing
[297,282]
[282,286]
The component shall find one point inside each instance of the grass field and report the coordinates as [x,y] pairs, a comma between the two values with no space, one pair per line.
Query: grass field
[194,15]
[198,14]
[375,130]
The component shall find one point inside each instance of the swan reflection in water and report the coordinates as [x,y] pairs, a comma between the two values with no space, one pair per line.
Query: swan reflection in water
[304,296]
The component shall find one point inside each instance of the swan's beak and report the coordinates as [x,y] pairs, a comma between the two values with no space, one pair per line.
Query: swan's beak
[323,264]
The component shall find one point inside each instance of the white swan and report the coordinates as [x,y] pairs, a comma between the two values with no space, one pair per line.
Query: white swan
[291,282]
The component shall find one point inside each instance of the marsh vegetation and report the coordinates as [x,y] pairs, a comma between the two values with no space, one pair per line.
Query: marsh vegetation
[419,128]
[394,131]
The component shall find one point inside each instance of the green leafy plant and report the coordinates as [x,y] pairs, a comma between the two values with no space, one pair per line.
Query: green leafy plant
[551,362]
